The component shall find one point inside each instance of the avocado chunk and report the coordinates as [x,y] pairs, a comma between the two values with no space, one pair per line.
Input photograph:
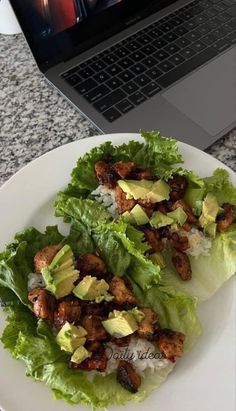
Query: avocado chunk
[138,314]
[128,218]
[178,215]
[70,337]
[80,355]
[139,215]
[90,288]
[120,323]
[159,220]
[60,274]
[135,188]
[210,229]
[157,258]
[160,191]
[210,209]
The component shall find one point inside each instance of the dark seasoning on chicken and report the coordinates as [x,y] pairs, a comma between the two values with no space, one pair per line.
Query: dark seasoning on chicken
[159,234]
[85,319]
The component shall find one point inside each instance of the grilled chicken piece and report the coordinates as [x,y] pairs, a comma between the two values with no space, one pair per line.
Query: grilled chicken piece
[43,302]
[148,325]
[163,207]
[122,294]
[121,342]
[68,310]
[45,256]
[122,203]
[128,377]
[180,243]
[178,185]
[225,219]
[91,264]
[93,346]
[153,239]
[140,174]
[147,206]
[97,361]
[124,169]
[105,174]
[186,227]
[182,265]
[171,344]
[93,326]
[164,232]
[191,219]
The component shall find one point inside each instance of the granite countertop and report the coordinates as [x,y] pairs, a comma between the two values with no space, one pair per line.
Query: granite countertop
[34,118]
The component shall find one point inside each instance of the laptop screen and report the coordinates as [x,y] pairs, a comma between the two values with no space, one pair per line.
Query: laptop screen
[59,29]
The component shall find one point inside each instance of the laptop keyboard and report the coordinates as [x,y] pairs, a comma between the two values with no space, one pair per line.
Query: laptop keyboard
[125,75]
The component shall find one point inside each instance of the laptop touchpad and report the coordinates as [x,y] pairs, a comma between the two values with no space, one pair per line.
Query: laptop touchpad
[208,96]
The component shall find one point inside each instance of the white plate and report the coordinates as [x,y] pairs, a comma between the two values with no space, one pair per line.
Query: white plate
[203,380]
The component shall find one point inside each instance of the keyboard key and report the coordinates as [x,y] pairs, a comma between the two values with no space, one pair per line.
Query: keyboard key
[221,45]
[230,25]
[126,75]
[161,55]
[110,100]
[169,37]
[220,33]
[231,38]
[180,31]
[134,45]
[125,63]
[176,21]
[101,77]
[209,39]
[138,68]
[110,59]
[86,86]
[124,106]
[112,114]
[187,53]
[148,50]
[182,42]
[172,48]
[176,59]
[198,46]
[214,24]
[97,93]
[165,28]
[204,29]
[159,43]
[149,62]
[151,89]
[98,65]
[113,70]
[154,73]
[114,83]
[155,33]
[165,66]
[212,12]
[190,25]
[86,73]
[223,17]
[130,87]
[122,52]
[232,11]
[192,36]
[142,80]
[137,56]
[70,72]
[187,67]
[202,18]
[145,39]
[137,98]
[73,80]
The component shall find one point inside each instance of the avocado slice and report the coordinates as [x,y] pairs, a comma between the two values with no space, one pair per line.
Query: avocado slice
[178,215]
[210,229]
[157,258]
[61,274]
[159,220]
[71,337]
[90,288]
[139,215]
[120,323]
[80,355]
[160,191]
[135,188]
[128,218]
[210,209]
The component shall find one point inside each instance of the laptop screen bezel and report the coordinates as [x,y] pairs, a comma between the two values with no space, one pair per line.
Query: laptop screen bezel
[65,45]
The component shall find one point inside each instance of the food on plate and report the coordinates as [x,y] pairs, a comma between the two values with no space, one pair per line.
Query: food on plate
[91,333]
[187,223]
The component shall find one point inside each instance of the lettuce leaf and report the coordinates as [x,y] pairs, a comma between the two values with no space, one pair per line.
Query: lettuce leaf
[220,185]
[208,272]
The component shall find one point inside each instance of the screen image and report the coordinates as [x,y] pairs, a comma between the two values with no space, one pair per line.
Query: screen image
[55,16]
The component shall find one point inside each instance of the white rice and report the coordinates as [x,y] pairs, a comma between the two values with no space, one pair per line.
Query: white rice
[35,280]
[106,196]
[199,244]
[140,352]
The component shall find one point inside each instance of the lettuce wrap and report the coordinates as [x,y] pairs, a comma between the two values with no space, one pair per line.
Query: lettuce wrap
[33,341]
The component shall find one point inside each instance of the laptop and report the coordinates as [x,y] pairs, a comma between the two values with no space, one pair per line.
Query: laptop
[129,65]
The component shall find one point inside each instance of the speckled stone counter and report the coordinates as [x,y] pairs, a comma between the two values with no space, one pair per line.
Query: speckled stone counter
[34,118]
